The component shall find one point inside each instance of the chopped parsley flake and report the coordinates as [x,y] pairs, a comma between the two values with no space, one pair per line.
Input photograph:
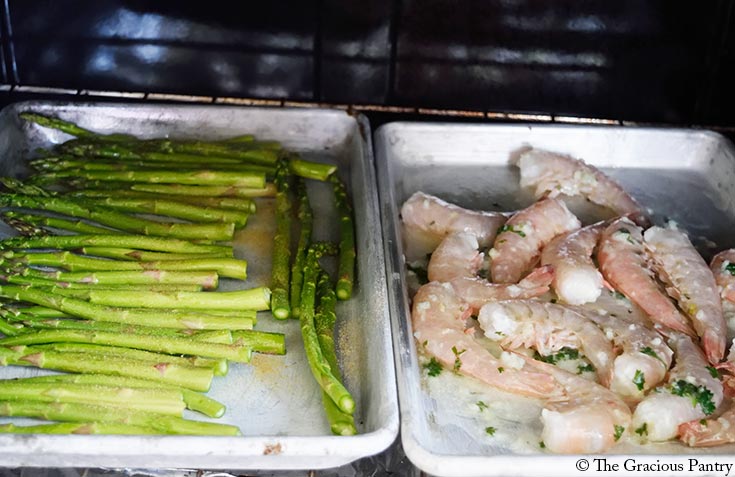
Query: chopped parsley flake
[639,379]
[433,367]
[713,372]
[703,422]
[650,352]
[585,368]
[541,444]
[564,354]
[482,405]
[490,430]
[643,430]
[698,394]
[457,361]
[501,369]
[628,237]
[553,300]
[618,432]
[730,268]
[511,228]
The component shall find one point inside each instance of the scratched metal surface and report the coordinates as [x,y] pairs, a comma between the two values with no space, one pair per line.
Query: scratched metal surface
[275,401]
[682,175]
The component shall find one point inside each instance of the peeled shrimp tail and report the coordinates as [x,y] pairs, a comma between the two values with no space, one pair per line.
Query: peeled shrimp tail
[623,262]
[478,291]
[576,279]
[588,418]
[712,432]
[680,265]
[439,323]
[690,393]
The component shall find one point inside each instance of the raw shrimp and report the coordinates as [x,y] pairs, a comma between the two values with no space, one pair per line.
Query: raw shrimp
[518,245]
[456,256]
[478,291]
[622,260]
[723,268]
[679,264]
[588,419]
[548,328]
[439,323]
[714,432]
[710,432]
[554,174]
[645,357]
[428,219]
[576,278]
[691,392]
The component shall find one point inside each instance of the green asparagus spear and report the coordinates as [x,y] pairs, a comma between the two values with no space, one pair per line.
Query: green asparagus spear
[141,242]
[161,344]
[261,341]
[132,254]
[244,179]
[56,123]
[105,216]
[268,190]
[319,365]
[9,329]
[311,170]
[341,423]
[237,203]
[193,400]
[196,379]
[346,274]
[306,222]
[206,279]
[73,324]
[169,208]
[280,270]
[146,317]
[78,226]
[225,267]
[252,299]
[90,413]
[164,401]
[82,428]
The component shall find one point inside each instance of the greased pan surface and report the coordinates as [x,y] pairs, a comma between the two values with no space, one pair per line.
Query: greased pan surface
[274,401]
[683,175]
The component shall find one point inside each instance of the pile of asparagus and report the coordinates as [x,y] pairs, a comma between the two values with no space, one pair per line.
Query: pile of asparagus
[302,288]
[114,278]
[127,301]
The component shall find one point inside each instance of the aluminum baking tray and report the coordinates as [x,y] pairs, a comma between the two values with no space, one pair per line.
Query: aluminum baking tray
[275,400]
[682,175]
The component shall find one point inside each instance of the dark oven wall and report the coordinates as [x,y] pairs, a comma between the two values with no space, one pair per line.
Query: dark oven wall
[640,60]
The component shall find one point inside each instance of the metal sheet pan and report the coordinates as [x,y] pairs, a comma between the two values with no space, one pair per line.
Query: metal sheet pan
[682,175]
[274,401]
